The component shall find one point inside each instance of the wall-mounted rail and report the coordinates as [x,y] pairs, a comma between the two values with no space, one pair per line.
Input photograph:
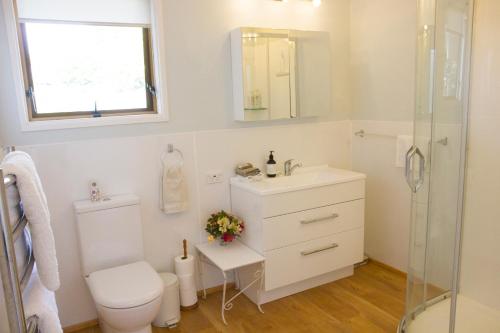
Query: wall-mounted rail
[362,133]
[16,256]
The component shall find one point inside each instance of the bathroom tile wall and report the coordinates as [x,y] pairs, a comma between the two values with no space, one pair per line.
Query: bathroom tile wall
[382,55]
[382,84]
[480,270]
[388,197]
[132,165]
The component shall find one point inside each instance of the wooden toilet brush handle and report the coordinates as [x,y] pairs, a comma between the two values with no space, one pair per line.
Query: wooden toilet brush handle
[184,245]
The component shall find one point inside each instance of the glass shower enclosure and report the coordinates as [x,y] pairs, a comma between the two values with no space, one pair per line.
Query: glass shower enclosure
[435,165]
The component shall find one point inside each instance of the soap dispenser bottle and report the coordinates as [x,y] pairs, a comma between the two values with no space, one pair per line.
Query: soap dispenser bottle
[271,166]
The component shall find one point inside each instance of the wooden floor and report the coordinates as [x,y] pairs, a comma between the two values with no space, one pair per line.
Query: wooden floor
[370,301]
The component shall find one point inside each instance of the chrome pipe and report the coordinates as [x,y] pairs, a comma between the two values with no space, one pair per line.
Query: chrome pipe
[9,180]
[8,267]
[32,324]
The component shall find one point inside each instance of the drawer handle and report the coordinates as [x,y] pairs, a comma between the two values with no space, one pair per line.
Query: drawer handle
[319,219]
[321,249]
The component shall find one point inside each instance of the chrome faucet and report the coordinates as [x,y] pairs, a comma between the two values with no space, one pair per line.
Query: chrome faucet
[289,167]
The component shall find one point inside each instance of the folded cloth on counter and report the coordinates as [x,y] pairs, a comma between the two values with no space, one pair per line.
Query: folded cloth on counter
[41,302]
[403,144]
[173,189]
[35,208]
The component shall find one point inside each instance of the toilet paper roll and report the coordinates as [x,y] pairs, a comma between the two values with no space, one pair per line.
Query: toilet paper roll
[184,266]
[189,297]
[186,282]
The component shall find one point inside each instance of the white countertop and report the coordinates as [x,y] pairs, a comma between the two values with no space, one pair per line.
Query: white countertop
[302,178]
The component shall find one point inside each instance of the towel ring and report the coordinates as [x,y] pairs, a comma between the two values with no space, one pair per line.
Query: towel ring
[171,149]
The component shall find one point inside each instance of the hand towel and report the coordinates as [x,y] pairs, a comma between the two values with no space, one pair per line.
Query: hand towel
[173,193]
[41,302]
[35,207]
[403,144]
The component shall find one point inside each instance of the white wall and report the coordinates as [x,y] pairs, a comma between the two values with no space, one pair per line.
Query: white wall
[131,165]
[199,66]
[383,46]
[480,271]
[388,197]
[383,49]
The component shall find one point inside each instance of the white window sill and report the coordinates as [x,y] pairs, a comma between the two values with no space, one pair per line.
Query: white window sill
[45,125]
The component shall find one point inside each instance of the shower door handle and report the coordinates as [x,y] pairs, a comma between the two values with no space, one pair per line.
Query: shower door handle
[414,184]
[421,170]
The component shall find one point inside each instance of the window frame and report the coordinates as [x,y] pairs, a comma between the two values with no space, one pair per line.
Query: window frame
[158,43]
[31,94]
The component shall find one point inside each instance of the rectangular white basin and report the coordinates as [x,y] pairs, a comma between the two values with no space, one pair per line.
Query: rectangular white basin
[303,178]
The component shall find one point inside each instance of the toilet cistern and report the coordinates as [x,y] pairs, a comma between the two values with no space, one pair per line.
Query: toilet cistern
[289,167]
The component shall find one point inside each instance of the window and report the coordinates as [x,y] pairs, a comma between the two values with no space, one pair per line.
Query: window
[78,70]
[76,65]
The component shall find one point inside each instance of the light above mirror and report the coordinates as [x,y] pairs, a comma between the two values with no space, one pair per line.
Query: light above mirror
[315,3]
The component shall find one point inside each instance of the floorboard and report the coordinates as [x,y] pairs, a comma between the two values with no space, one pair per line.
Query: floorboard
[370,301]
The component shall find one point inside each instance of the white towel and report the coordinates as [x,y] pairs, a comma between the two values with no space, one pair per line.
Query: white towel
[173,192]
[403,144]
[41,302]
[37,212]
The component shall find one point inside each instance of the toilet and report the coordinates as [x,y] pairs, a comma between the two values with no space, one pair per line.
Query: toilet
[126,290]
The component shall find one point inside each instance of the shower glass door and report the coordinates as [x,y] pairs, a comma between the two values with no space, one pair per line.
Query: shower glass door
[435,165]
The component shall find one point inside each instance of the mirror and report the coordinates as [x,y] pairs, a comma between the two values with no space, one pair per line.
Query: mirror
[280,74]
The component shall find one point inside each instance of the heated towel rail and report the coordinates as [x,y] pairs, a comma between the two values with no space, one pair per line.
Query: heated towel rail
[16,256]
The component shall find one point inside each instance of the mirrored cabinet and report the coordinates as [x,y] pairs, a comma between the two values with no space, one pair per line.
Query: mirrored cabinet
[280,74]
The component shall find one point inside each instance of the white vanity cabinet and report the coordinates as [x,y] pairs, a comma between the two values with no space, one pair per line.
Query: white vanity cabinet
[310,228]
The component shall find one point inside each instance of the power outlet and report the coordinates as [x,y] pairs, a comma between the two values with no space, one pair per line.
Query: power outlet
[214,177]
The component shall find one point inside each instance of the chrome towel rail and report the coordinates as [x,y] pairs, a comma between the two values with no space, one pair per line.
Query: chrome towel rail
[171,149]
[362,133]
[14,283]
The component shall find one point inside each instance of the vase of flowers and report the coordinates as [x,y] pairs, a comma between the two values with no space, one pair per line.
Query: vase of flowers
[224,226]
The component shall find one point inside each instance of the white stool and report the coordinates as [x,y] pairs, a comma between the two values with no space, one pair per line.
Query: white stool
[170,310]
[229,258]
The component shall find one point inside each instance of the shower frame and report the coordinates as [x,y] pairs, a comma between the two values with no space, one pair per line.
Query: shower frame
[412,313]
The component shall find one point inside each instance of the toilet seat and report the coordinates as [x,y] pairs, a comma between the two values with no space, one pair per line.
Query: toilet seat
[126,286]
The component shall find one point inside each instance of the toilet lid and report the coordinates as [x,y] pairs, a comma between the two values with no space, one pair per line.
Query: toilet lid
[125,286]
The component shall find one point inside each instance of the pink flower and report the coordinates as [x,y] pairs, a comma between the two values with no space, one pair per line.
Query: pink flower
[227,237]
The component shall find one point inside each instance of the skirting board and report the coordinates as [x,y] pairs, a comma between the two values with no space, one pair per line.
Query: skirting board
[81,326]
[271,295]
[390,268]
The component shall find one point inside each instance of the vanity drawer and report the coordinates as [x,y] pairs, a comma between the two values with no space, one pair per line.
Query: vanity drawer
[305,260]
[296,201]
[284,230]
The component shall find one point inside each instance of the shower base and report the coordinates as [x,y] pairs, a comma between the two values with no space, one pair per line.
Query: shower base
[471,317]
